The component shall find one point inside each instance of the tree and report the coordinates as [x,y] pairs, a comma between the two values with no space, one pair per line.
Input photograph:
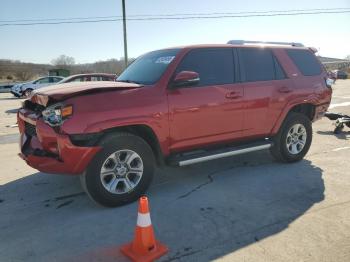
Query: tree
[24,75]
[63,61]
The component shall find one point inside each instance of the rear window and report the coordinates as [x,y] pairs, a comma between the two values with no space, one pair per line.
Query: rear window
[306,62]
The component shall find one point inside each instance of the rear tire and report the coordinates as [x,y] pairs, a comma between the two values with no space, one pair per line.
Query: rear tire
[293,140]
[114,176]
[338,129]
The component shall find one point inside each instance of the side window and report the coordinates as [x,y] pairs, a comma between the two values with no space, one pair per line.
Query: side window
[77,79]
[305,61]
[43,81]
[95,78]
[214,66]
[86,79]
[54,79]
[278,70]
[258,64]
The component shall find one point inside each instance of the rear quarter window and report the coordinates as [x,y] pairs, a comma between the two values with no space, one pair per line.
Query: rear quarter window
[306,62]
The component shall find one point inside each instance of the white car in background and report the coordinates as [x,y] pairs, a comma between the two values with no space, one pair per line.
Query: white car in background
[25,89]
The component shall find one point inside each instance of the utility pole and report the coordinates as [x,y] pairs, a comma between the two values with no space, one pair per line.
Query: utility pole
[124,32]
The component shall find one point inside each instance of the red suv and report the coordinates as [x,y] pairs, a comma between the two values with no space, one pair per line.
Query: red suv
[176,106]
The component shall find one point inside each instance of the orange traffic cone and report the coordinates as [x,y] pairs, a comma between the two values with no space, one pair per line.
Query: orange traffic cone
[144,247]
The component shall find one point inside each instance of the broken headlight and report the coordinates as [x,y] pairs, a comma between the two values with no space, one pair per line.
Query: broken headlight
[55,115]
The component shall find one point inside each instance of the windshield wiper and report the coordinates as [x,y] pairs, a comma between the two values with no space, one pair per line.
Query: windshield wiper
[129,81]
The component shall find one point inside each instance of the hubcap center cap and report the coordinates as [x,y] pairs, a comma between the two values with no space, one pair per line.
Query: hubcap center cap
[295,138]
[121,170]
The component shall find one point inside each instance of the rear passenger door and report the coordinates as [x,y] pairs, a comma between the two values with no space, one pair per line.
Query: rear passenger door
[266,89]
[210,111]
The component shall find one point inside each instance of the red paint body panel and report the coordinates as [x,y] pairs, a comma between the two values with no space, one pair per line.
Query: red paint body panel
[64,91]
[306,90]
[70,159]
[182,119]
[199,116]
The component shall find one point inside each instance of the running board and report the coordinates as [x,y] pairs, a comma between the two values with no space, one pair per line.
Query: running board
[216,154]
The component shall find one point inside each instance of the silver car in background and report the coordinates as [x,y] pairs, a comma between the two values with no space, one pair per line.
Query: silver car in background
[25,89]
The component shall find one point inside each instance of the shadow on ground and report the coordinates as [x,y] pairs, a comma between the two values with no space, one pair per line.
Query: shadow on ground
[342,135]
[12,111]
[201,212]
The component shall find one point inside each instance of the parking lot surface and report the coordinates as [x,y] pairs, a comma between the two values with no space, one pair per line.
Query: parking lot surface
[243,208]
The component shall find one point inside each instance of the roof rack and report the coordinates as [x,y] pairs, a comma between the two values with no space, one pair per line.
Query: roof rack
[242,42]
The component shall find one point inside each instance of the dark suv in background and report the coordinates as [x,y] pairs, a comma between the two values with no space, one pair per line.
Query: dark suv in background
[340,74]
[176,106]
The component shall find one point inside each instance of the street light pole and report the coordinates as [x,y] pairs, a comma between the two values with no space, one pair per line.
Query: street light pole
[125,41]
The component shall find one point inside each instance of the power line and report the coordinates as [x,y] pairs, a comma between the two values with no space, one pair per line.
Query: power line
[58,19]
[178,14]
[177,18]
[246,12]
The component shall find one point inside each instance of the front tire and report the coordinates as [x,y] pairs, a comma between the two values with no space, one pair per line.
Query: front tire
[27,93]
[121,172]
[293,140]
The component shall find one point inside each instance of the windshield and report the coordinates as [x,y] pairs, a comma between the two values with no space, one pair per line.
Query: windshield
[147,69]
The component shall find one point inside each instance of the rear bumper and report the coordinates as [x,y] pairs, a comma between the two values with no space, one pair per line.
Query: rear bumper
[48,151]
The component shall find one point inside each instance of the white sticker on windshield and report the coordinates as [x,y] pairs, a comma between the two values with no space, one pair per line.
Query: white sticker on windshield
[164,59]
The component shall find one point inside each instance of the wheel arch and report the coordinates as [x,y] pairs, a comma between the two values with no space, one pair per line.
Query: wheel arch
[308,109]
[141,130]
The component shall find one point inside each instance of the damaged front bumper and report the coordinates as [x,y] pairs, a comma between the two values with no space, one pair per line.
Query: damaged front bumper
[16,94]
[48,151]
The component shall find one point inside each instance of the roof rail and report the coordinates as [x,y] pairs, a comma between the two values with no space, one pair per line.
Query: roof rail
[242,42]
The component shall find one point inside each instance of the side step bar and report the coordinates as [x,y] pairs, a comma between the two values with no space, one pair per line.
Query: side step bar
[216,154]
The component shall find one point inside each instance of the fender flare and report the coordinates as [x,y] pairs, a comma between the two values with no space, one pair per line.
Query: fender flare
[160,134]
[310,101]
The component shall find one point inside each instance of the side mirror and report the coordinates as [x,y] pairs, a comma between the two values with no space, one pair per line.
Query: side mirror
[186,78]
[329,82]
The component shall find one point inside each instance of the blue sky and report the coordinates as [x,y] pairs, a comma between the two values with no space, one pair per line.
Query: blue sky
[92,42]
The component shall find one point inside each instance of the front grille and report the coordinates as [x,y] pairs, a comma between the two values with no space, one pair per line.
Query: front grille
[30,129]
[33,106]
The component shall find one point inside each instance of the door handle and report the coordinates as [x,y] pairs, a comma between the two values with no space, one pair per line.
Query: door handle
[233,95]
[284,89]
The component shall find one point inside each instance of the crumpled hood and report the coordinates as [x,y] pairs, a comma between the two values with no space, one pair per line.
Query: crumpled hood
[55,93]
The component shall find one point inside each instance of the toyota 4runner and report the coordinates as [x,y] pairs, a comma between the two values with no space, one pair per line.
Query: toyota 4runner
[176,106]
